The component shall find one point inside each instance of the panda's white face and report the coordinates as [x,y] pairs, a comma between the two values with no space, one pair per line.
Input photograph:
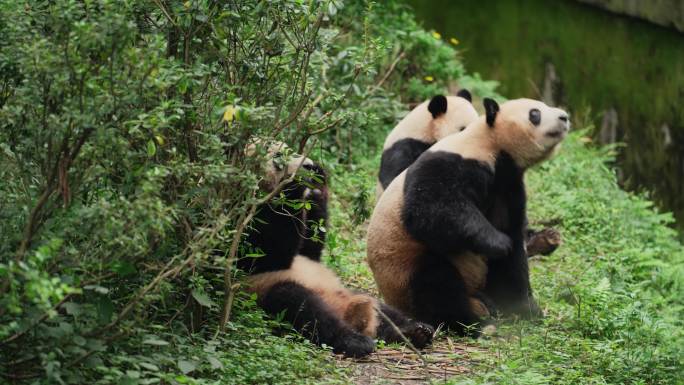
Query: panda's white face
[530,130]
[280,162]
[460,113]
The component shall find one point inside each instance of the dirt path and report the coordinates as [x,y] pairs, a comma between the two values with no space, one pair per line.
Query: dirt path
[400,365]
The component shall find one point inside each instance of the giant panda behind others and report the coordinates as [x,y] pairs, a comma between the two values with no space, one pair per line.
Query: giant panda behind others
[427,123]
[310,295]
[445,241]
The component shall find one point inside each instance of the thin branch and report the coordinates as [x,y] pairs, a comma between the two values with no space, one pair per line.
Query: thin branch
[389,71]
[163,9]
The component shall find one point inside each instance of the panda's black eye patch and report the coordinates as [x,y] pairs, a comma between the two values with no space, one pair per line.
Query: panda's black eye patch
[462,128]
[278,161]
[535,116]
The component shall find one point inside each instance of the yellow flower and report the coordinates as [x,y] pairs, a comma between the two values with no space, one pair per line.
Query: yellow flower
[454,41]
[436,35]
[229,113]
[429,78]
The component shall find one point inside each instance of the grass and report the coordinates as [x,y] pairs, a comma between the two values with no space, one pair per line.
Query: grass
[612,293]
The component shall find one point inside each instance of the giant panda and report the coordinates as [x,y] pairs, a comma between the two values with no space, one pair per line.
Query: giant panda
[426,124]
[310,295]
[445,240]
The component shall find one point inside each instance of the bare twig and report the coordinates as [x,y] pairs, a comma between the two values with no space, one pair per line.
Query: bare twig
[227,281]
[165,12]
[389,71]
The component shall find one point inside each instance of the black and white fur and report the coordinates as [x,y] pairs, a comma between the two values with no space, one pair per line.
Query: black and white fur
[289,279]
[446,239]
[421,128]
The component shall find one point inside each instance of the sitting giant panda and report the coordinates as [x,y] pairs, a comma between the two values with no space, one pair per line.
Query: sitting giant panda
[445,241]
[288,281]
[420,129]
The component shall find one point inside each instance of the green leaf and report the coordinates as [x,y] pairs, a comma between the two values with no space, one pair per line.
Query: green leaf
[80,341]
[151,148]
[202,298]
[105,309]
[155,341]
[123,268]
[186,366]
[148,366]
[97,288]
[215,363]
[72,308]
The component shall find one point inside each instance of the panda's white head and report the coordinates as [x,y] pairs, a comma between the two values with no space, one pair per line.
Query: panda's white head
[529,130]
[280,162]
[452,113]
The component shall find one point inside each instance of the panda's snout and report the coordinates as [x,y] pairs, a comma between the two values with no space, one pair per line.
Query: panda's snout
[564,121]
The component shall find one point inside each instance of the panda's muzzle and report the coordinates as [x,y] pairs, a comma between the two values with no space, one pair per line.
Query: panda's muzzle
[562,128]
[555,133]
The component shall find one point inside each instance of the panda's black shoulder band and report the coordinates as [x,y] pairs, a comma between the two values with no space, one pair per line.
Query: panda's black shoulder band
[437,105]
[491,109]
[465,94]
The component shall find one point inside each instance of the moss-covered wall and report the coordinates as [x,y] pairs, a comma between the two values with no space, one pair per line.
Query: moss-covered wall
[668,13]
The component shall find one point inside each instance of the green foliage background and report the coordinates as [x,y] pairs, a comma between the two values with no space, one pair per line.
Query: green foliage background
[124,190]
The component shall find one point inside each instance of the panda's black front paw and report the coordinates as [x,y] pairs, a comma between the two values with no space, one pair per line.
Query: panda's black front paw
[498,245]
[420,334]
[354,345]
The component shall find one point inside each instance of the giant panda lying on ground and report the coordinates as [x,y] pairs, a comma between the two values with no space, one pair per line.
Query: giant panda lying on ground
[289,278]
[445,241]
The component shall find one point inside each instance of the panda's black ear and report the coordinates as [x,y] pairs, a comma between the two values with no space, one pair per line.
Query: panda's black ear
[491,109]
[465,94]
[437,105]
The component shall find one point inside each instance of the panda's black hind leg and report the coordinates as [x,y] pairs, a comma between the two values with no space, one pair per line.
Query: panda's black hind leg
[312,317]
[420,334]
[438,295]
